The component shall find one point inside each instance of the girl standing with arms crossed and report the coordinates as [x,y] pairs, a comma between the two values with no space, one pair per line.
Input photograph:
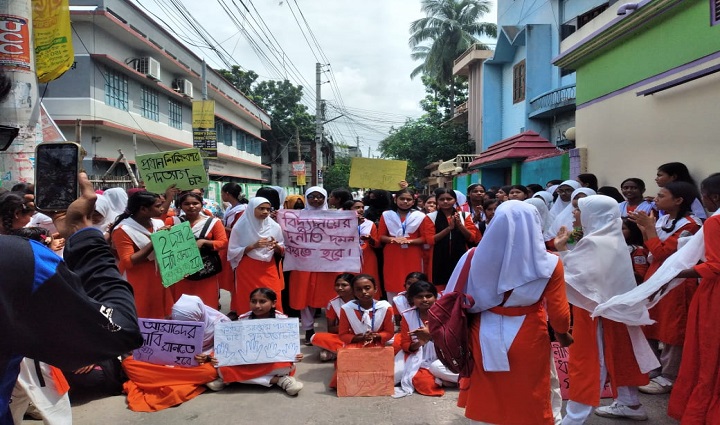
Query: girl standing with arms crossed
[404,231]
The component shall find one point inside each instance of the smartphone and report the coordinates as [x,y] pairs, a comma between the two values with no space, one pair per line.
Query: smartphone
[56,175]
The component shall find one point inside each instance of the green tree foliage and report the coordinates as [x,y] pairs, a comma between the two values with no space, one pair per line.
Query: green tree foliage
[242,80]
[421,142]
[437,100]
[450,28]
[337,175]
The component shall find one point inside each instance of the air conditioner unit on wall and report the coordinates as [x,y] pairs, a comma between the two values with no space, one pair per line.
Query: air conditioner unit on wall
[183,86]
[149,67]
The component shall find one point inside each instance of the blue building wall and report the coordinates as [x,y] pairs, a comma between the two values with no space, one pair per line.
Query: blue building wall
[543,170]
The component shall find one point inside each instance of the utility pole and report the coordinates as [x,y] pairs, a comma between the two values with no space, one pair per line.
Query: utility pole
[21,108]
[317,152]
[203,75]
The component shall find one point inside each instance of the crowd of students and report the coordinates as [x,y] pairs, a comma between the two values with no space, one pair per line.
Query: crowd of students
[542,255]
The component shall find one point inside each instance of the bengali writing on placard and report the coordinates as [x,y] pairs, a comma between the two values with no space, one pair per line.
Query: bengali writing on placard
[257,341]
[176,253]
[320,241]
[183,168]
[170,342]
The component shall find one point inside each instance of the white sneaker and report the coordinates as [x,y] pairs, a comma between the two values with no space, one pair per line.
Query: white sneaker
[291,385]
[657,385]
[616,410]
[216,385]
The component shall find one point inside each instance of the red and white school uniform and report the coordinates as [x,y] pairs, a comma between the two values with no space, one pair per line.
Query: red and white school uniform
[326,340]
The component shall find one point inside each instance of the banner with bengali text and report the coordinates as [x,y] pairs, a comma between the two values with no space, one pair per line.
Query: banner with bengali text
[257,341]
[320,241]
[52,36]
[176,253]
[170,342]
[183,168]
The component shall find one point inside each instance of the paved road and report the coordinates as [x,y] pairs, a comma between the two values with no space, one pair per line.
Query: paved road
[245,404]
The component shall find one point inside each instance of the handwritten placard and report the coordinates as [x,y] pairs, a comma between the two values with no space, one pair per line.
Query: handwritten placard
[170,342]
[183,167]
[257,341]
[377,173]
[561,355]
[176,253]
[320,241]
[365,372]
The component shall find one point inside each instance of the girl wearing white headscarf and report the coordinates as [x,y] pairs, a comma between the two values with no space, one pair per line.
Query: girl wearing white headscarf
[564,191]
[546,197]
[118,199]
[517,286]
[311,290]
[190,308]
[542,209]
[255,240]
[596,270]
[565,218]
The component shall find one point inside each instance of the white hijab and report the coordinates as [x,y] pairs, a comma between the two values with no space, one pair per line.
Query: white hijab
[282,193]
[510,256]
[684,258]
[565,218]
[190,308]
[599,268]
[559,205]
[546,197]
[103,207]
[248,230]
[316,189]
[118,200]
[460,198]
[542,210]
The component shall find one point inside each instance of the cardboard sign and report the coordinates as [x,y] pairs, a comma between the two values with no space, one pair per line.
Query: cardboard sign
[320,241]
[365,372]
[257,341]
[377,173]
[176,253]
[183,168]
[561,355]
[170,342]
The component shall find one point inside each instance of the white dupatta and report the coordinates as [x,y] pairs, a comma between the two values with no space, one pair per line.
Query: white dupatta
[422,358]
[139,234]
[397,228]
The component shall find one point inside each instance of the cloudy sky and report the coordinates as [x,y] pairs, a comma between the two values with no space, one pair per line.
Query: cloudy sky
[365,43]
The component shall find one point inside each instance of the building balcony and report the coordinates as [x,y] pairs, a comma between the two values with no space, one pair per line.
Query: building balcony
[475,55]
[552,103]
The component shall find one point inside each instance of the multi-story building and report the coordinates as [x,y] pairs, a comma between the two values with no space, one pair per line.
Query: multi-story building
[520,105]
[647,88]
[132,87]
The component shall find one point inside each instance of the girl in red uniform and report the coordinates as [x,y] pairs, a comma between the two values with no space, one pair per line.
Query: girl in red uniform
[329,341]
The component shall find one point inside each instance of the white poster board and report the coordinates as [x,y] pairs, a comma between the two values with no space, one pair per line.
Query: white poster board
[320,241]
[257,341]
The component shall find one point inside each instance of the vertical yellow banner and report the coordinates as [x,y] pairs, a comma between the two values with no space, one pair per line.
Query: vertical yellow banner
[301,180]
[53,38]
[203,114]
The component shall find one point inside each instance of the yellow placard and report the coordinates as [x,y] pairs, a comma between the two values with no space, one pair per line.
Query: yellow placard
[377,173]
[203,114]
[301,180]
[52,38]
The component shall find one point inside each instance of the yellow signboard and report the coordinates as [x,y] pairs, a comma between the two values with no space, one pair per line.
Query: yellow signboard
[203,114]
[377,173]
[53,39]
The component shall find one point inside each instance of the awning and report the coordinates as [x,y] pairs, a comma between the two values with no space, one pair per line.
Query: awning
[526,145]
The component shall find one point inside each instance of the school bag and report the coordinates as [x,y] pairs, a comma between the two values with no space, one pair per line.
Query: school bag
[448,323]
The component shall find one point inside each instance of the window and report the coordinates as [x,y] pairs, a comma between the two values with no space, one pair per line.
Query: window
[519,82]
[228,135]
[116,90]
[240,140]
[219,130]
[590,15]
[149,106]
[714,12]
[174,114]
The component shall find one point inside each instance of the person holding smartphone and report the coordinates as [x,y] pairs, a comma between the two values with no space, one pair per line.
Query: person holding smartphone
[68,313]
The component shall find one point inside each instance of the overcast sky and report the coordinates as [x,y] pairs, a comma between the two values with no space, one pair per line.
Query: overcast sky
[365,42]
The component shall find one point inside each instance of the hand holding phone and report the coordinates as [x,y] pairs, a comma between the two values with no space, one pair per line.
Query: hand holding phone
[56,176]
[78,214]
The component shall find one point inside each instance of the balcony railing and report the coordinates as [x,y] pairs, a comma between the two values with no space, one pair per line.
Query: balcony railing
[559,98]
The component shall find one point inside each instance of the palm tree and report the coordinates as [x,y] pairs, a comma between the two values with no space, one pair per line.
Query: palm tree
[450,28]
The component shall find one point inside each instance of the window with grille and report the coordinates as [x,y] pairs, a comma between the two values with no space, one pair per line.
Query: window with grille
[174,114]
[240,140]
[714,12]
[116,90]
[228,135]
[149,105]
[519,82]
